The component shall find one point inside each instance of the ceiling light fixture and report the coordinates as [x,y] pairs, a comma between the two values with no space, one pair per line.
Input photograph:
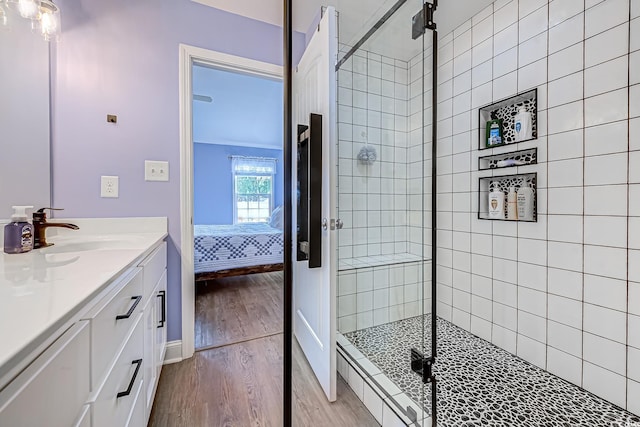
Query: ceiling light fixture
[49,20]
[44,16]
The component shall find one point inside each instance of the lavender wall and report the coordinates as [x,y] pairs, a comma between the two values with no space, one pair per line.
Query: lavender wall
[213,181]
[121,57]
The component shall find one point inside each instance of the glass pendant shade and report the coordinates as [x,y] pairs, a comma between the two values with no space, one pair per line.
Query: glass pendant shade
[49,20]
[4,20]
[29,9]
[44,16]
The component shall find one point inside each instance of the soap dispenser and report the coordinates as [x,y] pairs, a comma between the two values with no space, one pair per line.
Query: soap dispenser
[18,234]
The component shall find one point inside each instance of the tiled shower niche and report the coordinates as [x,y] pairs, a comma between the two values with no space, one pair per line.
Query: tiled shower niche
[503,183]
[506,110]
[508,160]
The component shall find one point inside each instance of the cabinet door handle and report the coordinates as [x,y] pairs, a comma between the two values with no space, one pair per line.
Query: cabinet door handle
[131,310]
[163,296]
[136,362]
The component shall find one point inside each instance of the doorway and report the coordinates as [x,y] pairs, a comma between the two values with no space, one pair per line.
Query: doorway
[191,57]
[238,192]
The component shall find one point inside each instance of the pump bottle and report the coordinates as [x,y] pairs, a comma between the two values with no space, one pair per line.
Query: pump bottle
[18,234]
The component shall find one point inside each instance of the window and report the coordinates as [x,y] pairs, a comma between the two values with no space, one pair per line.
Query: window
[253,188]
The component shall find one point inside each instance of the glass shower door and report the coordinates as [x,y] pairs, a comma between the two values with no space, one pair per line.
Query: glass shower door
[384,208]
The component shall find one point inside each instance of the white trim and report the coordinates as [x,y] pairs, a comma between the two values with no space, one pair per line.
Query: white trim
[190,55]
[173,352]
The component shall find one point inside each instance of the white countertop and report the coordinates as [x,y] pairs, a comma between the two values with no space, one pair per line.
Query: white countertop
[43,289]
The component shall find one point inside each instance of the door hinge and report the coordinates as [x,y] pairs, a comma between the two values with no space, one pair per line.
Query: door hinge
[423,366]
[423,20]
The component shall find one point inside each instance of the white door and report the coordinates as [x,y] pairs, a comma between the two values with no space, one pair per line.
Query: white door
[314,290]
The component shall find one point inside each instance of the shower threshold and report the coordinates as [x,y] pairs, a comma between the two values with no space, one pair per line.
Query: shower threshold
[478,384]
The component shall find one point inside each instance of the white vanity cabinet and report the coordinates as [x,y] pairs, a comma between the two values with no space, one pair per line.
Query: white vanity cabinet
[112,320]
[52,390]
[103,368]
[155,320]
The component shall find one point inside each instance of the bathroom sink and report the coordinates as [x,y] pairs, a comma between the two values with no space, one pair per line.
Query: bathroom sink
[93,243]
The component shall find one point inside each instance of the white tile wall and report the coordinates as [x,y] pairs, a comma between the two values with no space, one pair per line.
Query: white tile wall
[372,105]
[558,292]
[371,296]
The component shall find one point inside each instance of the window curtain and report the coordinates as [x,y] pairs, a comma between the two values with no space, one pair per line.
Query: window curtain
[253,165]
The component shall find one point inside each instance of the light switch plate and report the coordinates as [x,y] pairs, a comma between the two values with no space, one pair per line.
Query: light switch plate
[156,170]
[109,186]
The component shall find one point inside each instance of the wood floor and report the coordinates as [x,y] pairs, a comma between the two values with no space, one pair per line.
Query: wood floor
[240,385]
[235,309]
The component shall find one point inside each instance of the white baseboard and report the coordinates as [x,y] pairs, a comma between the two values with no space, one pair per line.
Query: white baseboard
[173,353]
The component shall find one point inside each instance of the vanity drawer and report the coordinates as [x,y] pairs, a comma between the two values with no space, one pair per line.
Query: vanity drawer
[53,389]
[136,418]
[154,265]
[85,417]
[124,380]
[111,323]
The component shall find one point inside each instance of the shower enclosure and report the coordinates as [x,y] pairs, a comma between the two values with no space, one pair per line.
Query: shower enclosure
[384,164]
[456,327]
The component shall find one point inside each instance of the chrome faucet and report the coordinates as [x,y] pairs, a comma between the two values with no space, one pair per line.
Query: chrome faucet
[40,226]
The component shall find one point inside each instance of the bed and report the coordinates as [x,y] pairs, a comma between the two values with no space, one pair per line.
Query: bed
[232,250]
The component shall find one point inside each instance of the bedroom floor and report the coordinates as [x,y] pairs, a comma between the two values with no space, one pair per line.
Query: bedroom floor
[240,384]
[236,309]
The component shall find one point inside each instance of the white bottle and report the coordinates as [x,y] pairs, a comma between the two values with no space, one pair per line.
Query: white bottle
[523,125]
[496,205]
[525,203]
[512,204]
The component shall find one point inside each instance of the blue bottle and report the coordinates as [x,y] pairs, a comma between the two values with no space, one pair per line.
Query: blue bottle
[18,234]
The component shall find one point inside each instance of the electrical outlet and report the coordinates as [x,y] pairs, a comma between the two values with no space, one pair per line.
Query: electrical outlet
[156,170]
[109,186]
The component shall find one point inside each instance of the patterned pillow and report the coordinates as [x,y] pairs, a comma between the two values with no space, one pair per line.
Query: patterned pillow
[277,220]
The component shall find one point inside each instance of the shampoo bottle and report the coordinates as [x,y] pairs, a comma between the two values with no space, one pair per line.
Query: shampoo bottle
[525,203]
[18,234]
[522,125]
[494,132]
[496,204]
[512,204]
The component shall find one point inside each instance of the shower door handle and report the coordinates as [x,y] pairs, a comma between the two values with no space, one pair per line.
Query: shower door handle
[339,224]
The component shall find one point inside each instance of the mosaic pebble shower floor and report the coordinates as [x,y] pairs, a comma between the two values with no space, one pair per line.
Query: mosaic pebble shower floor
[480,384]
